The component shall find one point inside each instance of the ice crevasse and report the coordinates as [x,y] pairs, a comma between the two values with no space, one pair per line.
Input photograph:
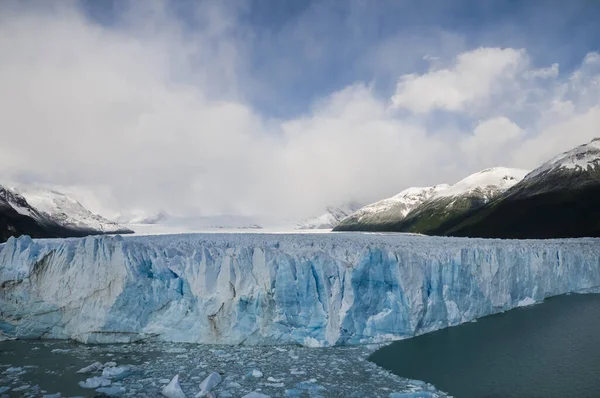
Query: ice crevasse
[315,290]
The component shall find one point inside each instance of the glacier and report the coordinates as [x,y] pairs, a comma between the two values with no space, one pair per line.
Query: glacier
[308,289]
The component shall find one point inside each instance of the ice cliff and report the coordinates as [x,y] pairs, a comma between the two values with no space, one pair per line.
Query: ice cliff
[315,290]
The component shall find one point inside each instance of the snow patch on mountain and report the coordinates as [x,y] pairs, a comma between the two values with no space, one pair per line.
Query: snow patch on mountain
[330,218]
[581,158]
[488,182]
[10,197]
[67,211]
[405,201]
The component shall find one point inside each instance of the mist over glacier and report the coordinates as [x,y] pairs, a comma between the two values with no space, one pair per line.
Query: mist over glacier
[314,290]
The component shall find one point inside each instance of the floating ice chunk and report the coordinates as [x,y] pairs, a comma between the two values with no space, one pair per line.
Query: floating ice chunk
[293,392]
[173,389]
[116,372]
[313,343]
[419,394]
[526,302]
[277,385]
[115,391]
[91,368]
[280,349]
[95,382]
[110,364]
[274,380]
[60,350]
[13,370]
[164,381]
[225,394]
[176,350]
[211,381]
[22,388]
[233,384]
[256,373]
[255,394]
[57,395]
[310,386]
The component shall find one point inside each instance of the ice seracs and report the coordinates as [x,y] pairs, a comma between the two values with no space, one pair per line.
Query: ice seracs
[326,289]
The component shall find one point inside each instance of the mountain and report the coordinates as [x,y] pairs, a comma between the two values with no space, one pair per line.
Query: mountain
[17,218]
[380,215]
[559,199]
[330,218]
[432,210]
[451,205]
[69,213]
[49,215]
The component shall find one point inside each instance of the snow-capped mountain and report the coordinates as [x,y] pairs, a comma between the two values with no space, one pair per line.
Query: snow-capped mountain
[449,206]
[391,209]
[10,198]
[68,212]
[426,210]
[584,158]
[559,199]
[18,217]
[486,184]
[330,218]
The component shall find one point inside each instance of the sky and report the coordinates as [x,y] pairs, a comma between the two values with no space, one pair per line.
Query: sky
[280,108]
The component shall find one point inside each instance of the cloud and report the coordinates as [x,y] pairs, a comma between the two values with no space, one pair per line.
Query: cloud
[470,80]
[150,115]
[492,140]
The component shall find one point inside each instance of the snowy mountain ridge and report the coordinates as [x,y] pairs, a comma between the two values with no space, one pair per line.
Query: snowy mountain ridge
[11,198]
[488,182]
[429,207]
[330,218]
[581,158]
[405,200]
[67,211]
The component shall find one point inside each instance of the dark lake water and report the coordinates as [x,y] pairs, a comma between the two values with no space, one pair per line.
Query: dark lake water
[547,350]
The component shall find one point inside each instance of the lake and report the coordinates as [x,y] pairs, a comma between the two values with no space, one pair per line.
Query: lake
[546,350]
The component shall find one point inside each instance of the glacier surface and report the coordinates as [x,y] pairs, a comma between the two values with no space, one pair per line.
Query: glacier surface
[314,290]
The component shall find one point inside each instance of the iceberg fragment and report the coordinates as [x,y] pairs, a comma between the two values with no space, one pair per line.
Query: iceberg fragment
[95,382]
[91,368]
[173,389]
[210,382]
[255,394]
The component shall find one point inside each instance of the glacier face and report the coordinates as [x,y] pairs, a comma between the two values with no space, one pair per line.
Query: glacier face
[311,289]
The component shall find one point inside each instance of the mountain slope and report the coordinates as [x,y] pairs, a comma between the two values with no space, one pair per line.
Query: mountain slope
[450,206]
[382,215]
[17,217]
[559,199]
[434,209]
[330,218]
[69,213]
